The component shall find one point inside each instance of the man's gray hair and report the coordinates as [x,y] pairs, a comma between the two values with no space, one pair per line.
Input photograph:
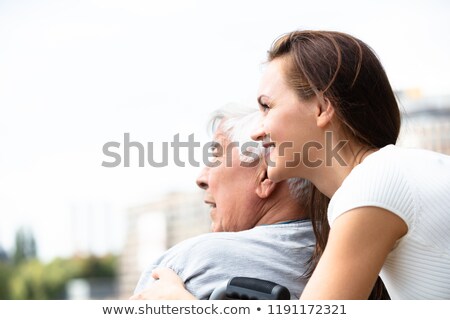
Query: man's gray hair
[237,122]
[300,190]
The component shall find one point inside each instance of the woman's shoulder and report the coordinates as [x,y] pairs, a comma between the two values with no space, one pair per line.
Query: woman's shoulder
[387,156]
[393,154]
[399,162]
[377,167]
[381,180]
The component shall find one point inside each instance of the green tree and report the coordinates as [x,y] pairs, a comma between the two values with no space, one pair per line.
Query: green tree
[32,279]
[27,282]
[6,271]
[99,267]
[25,246]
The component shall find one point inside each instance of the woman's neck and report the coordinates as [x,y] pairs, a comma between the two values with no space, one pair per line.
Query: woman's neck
[329,177]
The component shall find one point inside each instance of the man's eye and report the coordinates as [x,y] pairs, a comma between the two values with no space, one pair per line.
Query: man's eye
[213,151]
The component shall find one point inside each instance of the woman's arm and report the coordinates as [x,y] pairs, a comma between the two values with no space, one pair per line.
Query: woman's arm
[169,286]
[358,245]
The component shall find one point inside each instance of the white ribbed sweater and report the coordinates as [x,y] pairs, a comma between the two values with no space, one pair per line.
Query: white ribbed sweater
[415,185]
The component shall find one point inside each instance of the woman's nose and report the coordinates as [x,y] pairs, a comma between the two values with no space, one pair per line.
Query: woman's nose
[258,133]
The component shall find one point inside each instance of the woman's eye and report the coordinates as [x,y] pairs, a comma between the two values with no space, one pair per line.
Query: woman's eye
[264,107]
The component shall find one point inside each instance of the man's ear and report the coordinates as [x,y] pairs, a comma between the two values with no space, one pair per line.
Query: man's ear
[324,112]
[265,188]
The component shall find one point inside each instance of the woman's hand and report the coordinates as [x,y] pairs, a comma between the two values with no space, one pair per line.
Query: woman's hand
[168,286]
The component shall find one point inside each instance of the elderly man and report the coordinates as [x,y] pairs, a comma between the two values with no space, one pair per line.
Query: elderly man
[261,228]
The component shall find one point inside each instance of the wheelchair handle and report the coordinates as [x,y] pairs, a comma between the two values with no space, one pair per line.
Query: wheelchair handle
[245,288]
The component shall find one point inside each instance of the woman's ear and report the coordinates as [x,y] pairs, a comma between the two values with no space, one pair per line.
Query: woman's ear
[265,188]
[324,112]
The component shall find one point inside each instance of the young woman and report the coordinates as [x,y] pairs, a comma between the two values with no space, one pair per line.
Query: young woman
[327,101]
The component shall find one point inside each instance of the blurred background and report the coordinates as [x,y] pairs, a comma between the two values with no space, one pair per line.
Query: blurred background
[76,74]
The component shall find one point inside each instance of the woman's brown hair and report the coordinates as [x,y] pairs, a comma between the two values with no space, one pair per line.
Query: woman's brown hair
[344,70]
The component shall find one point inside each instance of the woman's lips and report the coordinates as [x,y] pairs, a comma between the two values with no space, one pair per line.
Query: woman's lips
[268,144]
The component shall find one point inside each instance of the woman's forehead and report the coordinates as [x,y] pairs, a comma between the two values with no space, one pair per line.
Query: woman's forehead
[272,78]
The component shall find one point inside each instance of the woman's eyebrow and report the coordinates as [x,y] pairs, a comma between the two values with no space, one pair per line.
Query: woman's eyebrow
[260,98]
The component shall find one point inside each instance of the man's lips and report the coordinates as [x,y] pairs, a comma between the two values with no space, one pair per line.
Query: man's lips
[212,204]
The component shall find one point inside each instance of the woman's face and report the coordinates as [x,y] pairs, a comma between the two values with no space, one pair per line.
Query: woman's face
[288,127]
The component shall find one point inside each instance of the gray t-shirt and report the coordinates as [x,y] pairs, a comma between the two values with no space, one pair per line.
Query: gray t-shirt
[277,252]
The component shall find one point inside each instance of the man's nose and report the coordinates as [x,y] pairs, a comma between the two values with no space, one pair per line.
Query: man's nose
[202,179]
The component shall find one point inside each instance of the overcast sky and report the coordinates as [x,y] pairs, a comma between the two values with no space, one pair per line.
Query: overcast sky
[76,74]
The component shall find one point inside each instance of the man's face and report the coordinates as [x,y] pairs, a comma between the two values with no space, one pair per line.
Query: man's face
[230,188]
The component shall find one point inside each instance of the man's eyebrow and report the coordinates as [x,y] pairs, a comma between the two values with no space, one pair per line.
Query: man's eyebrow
[218,140]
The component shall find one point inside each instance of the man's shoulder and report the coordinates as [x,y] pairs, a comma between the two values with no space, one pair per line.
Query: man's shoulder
[264,237]
[217,241]
[213,239]
[204,241]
